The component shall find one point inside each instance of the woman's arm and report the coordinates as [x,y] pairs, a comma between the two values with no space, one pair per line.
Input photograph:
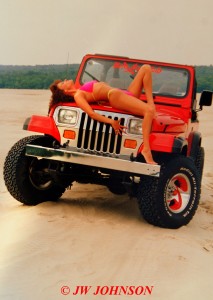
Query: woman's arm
[83,104]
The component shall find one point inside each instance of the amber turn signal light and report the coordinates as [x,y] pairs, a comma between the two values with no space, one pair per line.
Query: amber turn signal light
[69,134]
[130,144]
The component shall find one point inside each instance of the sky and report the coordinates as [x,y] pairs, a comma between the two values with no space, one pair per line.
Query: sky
[42,32]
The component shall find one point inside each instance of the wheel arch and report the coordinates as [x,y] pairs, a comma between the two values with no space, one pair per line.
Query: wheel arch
[180,146]
[194,143]
[42,124]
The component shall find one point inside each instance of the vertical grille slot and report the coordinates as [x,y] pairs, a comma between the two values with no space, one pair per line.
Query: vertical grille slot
[96,136]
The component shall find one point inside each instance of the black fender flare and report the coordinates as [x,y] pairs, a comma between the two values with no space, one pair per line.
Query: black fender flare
[194,143]
[178,144]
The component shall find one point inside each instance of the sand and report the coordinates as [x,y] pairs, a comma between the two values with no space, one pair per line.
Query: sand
[91,237]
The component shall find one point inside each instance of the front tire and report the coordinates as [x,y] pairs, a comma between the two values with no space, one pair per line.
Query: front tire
[171,200]
[27,178]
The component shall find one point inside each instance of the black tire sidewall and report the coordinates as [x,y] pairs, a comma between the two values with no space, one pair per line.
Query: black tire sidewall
[199,161]
[186,167]
[151,194]
[16,174]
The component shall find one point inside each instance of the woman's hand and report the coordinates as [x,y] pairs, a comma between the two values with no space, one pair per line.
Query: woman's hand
[118,127]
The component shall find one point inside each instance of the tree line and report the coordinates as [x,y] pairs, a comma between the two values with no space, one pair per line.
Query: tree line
[204,75]
[41,76]
[34,77]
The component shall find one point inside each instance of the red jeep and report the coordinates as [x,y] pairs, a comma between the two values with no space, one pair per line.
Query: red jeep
[74,147]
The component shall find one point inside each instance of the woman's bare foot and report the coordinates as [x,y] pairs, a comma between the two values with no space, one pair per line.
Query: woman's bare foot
[147,154]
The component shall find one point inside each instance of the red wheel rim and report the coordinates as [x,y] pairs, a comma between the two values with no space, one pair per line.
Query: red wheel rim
[178,193]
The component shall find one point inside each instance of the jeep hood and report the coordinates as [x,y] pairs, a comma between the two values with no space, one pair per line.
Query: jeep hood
[165,120]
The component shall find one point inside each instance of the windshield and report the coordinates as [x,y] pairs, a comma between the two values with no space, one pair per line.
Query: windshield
[167,81]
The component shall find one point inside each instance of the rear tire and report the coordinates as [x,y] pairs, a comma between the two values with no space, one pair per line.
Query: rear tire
[27,178]
[171,200]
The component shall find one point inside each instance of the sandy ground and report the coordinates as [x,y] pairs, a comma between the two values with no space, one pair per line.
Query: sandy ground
[94,238]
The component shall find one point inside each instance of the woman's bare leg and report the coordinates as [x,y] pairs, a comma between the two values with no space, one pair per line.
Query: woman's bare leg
[143,79]
[135,106]
[147,126]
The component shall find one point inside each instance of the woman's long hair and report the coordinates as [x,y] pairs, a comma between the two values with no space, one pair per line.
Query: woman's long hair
[58,95]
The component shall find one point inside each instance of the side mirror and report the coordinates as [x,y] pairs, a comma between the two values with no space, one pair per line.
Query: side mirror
[205,99]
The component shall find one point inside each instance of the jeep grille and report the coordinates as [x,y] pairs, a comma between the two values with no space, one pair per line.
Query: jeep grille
[99,137]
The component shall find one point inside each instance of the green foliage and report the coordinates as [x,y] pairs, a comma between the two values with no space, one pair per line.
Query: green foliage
[41,76]
[34,77]
[204,77]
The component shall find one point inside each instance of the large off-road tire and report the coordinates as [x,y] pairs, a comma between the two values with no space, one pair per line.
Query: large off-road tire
[171,200]
[27,178]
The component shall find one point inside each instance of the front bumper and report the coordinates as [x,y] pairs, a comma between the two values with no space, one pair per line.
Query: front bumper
[102,162]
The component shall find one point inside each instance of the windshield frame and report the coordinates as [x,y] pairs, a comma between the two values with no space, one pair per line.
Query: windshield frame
[130,68]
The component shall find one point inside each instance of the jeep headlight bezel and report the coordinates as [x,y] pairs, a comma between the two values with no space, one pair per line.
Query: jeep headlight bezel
[67,116]
[135,126]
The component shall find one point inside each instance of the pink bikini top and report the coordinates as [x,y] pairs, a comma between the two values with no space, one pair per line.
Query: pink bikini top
[88,86]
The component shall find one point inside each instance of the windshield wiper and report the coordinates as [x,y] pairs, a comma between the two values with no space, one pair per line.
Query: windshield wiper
[93,77]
